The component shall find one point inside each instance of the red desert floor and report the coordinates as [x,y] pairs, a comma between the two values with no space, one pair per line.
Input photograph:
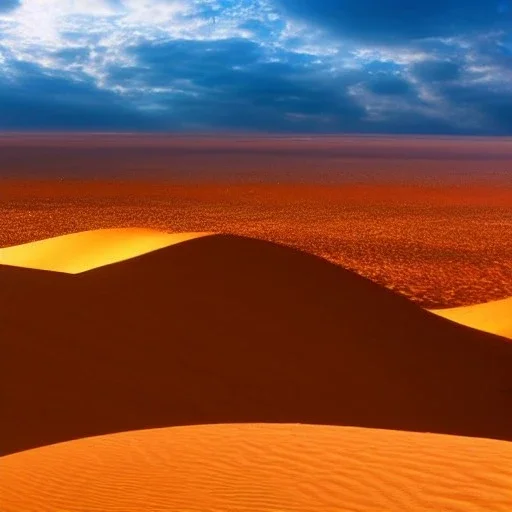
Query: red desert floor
[441,246]
[428,217]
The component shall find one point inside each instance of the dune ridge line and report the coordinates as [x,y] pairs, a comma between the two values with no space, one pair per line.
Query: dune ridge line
[79,252]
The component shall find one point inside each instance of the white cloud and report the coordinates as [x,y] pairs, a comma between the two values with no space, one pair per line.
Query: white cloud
[40,29]
[400,56]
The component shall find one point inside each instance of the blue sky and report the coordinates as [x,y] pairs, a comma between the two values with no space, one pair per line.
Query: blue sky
[273,66]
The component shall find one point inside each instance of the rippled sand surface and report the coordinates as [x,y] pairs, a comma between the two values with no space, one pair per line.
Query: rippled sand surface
[261,468]
[442,246]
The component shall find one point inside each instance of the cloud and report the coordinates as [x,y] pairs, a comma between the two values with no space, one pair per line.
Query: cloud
[490,105]
[254,65]
[389,85]
[34,100]
[230,84]
[399,21]
[437,71]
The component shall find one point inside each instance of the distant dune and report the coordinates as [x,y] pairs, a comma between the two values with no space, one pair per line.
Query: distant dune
[494,317]
[261,468]
[79,252]
[225,329]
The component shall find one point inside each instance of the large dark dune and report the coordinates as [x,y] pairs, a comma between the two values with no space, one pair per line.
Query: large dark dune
[226,329]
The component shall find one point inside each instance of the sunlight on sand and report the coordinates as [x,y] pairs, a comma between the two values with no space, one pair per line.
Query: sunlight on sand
[262,468]
[79,252]
[494,317]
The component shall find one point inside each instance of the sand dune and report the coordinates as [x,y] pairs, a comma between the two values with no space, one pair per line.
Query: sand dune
[79,252]
[224,329]
[494,317]
[261,468]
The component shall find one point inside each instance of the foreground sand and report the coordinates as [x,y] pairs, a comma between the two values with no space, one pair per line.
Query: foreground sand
[261,468]
[225,329]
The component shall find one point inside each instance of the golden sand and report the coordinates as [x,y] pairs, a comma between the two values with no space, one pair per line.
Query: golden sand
[79,252]
[494,317]
[261,468]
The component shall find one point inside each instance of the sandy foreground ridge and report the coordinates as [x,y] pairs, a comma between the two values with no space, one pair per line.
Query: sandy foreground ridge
[108,332]
[261,468]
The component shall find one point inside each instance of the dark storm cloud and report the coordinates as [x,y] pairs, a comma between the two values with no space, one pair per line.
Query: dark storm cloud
[403,123]
[35,100]
[436,71]
[399,21]
[229,84]
[9,5]
[474,85]
[389,85]
[482,101]
[191,59]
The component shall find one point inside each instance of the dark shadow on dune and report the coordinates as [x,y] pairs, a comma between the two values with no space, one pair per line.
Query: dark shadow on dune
[229,329]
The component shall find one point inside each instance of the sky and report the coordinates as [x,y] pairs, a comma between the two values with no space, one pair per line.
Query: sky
[266,66]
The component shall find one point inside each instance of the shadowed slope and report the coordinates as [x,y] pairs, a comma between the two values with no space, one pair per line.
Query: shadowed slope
[262,468]
[228,329]
[494,317]
[83,251]
[80,252]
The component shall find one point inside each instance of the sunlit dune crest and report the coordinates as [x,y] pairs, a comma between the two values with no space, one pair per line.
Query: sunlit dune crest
[227,329]
[494,317]
[261,468]
[79,252]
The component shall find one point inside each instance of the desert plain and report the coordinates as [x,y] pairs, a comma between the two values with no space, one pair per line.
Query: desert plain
[218,324]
